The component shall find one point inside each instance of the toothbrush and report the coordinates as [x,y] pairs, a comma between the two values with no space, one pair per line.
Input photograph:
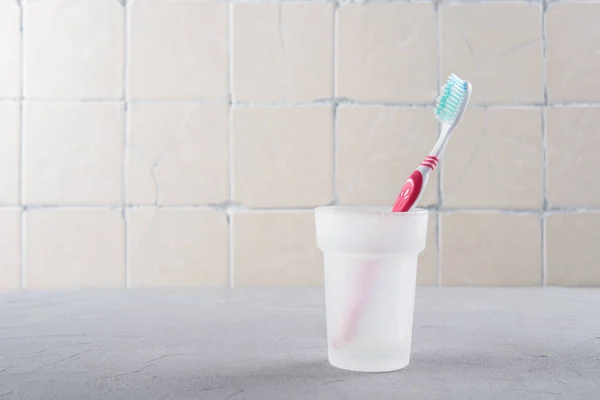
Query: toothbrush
[450,107]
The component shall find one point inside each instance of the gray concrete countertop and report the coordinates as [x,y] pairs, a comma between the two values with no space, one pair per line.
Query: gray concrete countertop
[270,344]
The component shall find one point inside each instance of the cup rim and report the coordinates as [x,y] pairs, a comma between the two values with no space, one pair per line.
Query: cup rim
[368,210]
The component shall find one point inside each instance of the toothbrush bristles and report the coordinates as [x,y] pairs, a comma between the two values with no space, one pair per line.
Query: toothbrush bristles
[451,99]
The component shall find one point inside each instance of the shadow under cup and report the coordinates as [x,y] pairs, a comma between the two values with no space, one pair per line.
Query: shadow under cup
[370,259]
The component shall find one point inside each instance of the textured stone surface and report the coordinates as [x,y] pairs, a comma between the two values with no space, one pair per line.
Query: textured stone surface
[74,50]
[493,44]
[490,249]
[476,171]
[378,148]
[10,157]
[283,156]
[287,55]
[386,52]
[73,153]
[270,344]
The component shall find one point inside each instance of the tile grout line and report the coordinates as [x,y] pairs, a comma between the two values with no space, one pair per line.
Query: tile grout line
[228,208]
[23,238]
[544,115]
[230,132]
[334,71]
[340,102]
[543,240]
[227,205]
[438,217]
[351,2]
[126,128]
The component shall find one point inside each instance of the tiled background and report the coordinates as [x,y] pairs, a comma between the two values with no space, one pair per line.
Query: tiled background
[186,142]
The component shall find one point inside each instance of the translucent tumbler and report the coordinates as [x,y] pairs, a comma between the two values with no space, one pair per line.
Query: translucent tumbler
[370,258]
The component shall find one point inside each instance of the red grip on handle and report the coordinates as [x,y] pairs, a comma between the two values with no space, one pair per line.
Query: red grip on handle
[409,193]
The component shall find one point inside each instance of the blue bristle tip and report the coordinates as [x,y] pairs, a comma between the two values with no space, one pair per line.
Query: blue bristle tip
[451,99]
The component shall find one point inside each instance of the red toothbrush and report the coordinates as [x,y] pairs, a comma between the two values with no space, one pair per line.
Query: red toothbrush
[451,105]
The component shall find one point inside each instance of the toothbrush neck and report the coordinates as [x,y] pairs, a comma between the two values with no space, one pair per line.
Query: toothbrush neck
[442,141]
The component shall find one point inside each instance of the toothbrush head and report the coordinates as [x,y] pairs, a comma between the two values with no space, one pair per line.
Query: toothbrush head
[452,100]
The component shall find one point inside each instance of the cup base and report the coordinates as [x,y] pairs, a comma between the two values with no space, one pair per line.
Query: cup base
[368,364]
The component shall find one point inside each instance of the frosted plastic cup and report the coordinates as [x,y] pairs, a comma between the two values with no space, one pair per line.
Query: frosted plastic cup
[370,259]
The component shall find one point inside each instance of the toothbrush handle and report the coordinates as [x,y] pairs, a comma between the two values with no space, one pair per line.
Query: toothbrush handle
[414,187]
[365,281]
[409,196]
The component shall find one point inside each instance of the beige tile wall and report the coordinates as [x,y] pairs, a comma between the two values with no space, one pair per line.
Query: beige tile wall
[178,143]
